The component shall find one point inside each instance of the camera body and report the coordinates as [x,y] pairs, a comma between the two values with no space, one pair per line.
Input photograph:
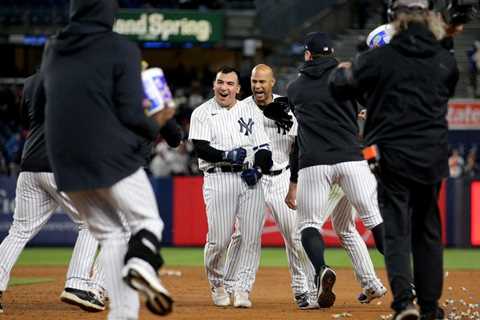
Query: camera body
[454,12]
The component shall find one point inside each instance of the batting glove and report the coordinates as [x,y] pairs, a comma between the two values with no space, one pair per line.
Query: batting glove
[235,156]
[251,176]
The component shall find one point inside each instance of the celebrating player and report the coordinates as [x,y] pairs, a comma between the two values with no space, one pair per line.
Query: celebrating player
[36,199]
[232,147]
[95,126]
[329,153]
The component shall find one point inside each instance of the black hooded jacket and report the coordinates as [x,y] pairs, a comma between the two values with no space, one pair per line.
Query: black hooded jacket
[94,117]
[34,156]
[327,128]
[406,86]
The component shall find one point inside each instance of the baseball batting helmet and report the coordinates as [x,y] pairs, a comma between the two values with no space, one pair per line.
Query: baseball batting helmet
[380,36]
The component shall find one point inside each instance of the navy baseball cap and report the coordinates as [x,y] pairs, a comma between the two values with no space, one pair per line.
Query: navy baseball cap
[319,43]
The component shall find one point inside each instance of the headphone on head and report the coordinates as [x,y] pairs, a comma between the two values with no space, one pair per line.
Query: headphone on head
[391,11]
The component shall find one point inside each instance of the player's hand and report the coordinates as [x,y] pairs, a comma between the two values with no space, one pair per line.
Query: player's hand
[251,176]
[291,198]
[161,117]
[235,156]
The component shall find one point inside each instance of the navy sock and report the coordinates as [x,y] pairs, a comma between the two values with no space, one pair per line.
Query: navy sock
[312,242]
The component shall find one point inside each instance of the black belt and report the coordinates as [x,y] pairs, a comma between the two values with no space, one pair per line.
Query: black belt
[277,172]
[226,169]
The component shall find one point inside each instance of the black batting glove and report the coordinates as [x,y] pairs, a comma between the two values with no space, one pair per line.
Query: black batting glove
[235,156]
[251,176]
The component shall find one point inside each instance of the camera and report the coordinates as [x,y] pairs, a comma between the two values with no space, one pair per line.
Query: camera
[456,12]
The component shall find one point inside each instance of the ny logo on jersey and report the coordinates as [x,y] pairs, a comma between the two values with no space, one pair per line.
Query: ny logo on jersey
[281,127]
[248,126]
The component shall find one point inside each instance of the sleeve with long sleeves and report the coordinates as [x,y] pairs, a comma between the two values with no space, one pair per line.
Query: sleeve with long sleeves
[128,94]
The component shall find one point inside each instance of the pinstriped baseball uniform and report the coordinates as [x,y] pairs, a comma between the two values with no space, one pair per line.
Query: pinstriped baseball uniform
[37,197]
[275,188]
[36,200]
[320,195]
[227,197]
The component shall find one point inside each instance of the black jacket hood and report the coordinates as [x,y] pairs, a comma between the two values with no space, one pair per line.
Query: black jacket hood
[87,19]
[416,41]
[316,68]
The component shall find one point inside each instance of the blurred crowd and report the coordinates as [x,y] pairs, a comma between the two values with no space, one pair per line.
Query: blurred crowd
[11,134]
[464,167]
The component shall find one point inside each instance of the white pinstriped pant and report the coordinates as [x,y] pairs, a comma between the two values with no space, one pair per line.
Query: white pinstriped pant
[111,214]
[301,269]
[314,205]
[36,200]
[343,221]
[228,199]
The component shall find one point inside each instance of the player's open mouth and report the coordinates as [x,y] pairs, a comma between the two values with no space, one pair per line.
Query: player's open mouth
[223,95]
[259,95]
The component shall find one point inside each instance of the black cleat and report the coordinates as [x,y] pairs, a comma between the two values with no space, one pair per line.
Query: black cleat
[439,314]
[84,299]
[325,281]
[408,313]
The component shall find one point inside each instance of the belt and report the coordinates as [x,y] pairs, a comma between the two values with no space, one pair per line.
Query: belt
[233,169]
[277,172]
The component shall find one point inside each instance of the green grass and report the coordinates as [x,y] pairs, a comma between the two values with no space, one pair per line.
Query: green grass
[272,257]
[27,281]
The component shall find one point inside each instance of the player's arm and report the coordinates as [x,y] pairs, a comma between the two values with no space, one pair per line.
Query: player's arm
[350,78]
[200,136]
[128,95]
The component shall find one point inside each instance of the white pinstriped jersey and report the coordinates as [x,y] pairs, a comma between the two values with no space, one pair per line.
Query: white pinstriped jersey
[280,139]
[227,129]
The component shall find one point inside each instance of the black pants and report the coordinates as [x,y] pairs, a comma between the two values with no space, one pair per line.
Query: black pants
[412,229]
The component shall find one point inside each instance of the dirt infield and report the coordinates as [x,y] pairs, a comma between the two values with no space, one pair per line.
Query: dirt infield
[272,297]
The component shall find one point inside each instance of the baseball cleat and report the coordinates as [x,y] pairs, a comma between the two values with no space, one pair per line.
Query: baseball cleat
[438,314]
[304,303]
[241,300]
[220,297]
[325,282]
[369,294]
[140,275]
[86,300]
[408,313]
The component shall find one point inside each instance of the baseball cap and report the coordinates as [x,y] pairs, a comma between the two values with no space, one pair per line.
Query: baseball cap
[318,43]
[422,4]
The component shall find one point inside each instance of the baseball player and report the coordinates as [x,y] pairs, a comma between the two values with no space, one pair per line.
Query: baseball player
[95,127]
[232,147]
[336,158]
[36,199]
[275,186]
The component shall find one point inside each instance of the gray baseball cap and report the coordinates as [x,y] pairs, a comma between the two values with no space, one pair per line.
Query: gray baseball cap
[422,4]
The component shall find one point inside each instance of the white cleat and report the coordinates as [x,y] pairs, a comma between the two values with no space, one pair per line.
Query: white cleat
[241,300]
[220,297]
[371,293]
[141,276]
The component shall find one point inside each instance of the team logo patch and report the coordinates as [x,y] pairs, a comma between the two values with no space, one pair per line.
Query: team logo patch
[246,126]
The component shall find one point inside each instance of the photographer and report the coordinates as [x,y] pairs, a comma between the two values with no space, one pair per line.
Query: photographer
[406,85]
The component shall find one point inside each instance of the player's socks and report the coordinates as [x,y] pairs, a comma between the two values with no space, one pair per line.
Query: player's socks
[312,242]
[379,234]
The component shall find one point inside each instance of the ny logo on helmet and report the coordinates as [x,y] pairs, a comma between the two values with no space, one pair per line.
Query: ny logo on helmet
[247,126]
